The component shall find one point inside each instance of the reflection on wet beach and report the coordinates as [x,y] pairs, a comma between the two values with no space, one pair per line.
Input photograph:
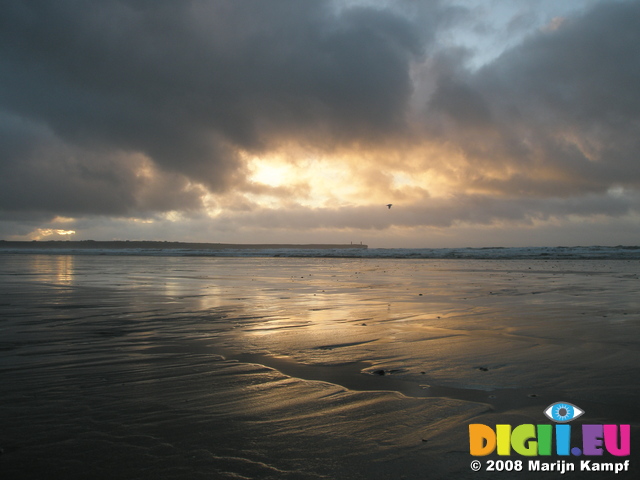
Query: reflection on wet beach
[50,268]
[299,368]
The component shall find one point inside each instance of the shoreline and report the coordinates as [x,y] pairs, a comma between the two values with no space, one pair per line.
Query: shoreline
[352,250]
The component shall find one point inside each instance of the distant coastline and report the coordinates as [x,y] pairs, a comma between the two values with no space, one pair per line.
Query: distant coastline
[161,245]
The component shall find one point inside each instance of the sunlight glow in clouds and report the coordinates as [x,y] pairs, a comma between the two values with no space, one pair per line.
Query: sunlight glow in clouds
[47,233]
[483,123]
[346,178]
[309,182]
[271,173]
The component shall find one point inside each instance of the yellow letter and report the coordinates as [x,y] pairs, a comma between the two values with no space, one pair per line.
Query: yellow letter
[503,433]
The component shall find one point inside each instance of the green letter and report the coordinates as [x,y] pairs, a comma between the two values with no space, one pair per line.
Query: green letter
[523,440]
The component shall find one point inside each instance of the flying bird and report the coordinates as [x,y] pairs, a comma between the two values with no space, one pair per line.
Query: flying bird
[389,205]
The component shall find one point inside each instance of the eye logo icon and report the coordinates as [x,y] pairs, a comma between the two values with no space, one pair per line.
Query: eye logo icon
[563,412]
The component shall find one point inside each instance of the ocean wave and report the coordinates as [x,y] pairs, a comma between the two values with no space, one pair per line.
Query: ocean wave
[532,253]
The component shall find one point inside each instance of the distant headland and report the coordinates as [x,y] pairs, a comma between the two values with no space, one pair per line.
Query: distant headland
[160,245]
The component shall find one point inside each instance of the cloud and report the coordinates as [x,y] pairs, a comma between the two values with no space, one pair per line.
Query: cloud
[447,212]
[162,110]
[42,175]
[190,84]
[554,116]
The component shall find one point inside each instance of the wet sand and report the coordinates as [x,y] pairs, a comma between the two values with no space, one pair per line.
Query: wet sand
[169,367]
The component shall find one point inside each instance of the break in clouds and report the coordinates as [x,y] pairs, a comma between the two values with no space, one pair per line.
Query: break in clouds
[149,110]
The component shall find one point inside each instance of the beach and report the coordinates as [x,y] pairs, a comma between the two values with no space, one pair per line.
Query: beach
[141,367]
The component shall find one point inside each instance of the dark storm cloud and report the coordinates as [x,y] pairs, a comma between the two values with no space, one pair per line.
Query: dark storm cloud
[134,107]
[557,115]
[187,83]
[39,173]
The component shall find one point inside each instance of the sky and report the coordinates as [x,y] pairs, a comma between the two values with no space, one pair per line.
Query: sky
[484,123]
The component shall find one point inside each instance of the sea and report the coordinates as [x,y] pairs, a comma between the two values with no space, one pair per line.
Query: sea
[620,252]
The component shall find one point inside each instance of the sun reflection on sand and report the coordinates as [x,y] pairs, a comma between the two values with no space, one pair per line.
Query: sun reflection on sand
[56,268]
[155,359]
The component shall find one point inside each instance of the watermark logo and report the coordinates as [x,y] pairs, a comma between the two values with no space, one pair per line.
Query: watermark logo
[562,412]
[529,440]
